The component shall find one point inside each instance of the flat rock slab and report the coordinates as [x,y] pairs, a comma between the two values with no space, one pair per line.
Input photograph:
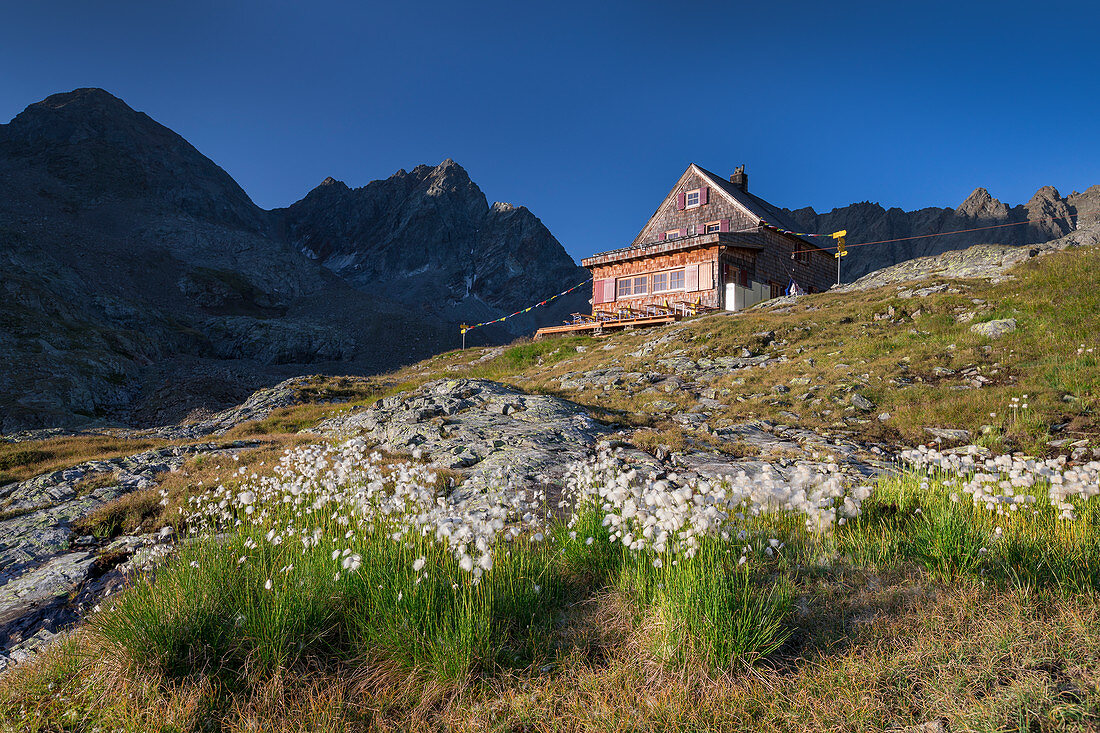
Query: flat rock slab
[479,427]
[995,329]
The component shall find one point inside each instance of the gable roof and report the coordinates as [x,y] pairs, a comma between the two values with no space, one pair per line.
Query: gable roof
[753,205]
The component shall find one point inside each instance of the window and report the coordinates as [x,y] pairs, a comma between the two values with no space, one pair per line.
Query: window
[692,198]
[641,285]
[624,287]
[672,234]
[676,280]
[776,289]
[713,227]
[801,255]
[660,282]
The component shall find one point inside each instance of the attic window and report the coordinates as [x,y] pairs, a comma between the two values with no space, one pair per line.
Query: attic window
[672,234]
[692,199]
[713,227]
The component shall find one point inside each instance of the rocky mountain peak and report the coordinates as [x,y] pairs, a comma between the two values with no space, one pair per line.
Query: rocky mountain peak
[73,117]
[83,100]
[1049,213]
[103,150]
[449,178]
[981,205]
[384,237]
[328,187]
[1046,193]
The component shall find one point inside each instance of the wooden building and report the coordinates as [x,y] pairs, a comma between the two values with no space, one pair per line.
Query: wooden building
[710,243]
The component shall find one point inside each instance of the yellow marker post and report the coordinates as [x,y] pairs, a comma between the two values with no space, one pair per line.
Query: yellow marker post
[841,251]
[463,328]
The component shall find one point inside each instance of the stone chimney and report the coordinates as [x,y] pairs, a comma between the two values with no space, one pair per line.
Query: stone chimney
[740,178]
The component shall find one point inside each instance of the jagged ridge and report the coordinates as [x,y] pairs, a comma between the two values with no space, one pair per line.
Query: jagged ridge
[1048,216]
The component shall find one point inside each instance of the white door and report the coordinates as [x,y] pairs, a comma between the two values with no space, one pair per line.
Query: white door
[731,296]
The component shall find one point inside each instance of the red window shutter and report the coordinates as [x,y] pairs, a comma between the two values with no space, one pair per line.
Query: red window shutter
[724,225]
[662,237]
[597,292]
[744,278]
[681,201]
[703,194]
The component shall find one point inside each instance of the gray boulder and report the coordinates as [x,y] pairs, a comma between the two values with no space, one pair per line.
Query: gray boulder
[994,329]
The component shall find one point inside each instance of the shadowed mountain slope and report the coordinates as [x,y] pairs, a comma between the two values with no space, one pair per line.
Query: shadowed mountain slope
[141,282]
[429,238]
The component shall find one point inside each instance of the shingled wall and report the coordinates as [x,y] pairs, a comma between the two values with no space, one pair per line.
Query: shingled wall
[706,292]
[772,262]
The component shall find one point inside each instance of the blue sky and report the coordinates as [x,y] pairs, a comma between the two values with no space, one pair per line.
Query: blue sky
[588,112]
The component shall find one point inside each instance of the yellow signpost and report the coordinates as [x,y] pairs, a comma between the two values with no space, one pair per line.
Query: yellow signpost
[841,251]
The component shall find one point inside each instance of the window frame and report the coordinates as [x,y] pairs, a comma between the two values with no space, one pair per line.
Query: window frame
[672,275]
[644,281]
[619,283]
[717,227]
[698,193]
[654,289]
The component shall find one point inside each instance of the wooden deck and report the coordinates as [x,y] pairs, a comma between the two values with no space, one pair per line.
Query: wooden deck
[589,326]
[625,317]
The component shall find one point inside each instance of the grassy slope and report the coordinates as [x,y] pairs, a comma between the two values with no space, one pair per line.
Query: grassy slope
[882,637]
[832,340]
[834,346]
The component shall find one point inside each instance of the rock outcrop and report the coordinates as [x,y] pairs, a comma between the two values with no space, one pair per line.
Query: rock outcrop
[480,426]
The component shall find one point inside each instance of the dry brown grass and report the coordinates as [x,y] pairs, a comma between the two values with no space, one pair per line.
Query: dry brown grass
[19,461]
[95,481]
[871,653]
